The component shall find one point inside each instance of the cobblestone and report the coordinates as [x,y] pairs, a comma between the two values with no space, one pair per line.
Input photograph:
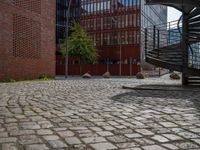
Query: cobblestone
[57,144]
[9,146]
[51,137]
[97,114]
[37,147]
[73,140]
[102,146]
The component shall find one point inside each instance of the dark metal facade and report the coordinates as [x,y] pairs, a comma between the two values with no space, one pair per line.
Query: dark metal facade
[61,16]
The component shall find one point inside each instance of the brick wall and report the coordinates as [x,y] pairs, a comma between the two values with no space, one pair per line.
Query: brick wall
[27,38]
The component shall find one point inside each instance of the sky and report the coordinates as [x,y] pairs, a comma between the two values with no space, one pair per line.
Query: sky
[173,14]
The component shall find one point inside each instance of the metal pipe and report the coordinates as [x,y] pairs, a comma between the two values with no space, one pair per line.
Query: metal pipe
[67,34]
[154,37]
[146,40]
[120,51]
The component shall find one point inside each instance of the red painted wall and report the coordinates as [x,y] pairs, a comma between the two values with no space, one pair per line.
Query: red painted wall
[95,69]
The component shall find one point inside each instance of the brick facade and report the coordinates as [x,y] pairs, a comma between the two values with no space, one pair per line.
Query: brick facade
[27,38]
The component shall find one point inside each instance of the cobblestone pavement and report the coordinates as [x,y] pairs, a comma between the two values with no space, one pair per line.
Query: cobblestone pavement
[97,114]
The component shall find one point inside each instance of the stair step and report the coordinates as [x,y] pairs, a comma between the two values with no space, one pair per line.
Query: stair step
[162,52]
[194,30]
[168,49]
[193,25]
[165,56]
[194,13]
[195,19]
[194,78]
[193,83]
[169,60]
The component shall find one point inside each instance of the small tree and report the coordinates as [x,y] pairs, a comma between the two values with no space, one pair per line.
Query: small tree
[79,45]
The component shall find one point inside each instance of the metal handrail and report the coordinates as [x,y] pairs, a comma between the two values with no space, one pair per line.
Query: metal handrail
[154,41]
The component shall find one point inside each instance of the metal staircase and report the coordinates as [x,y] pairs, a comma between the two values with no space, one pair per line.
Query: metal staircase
[176,45]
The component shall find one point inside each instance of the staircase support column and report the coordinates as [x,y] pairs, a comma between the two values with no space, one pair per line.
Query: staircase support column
[184,49]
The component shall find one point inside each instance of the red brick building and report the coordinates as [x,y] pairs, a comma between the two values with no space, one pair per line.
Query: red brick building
[27,38]
[116,28]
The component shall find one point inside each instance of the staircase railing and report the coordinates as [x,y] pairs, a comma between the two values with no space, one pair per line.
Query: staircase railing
[167,38]
[194,55]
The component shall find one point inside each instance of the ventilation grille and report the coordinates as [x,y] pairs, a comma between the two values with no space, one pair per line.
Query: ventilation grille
[26,37]
[32,5]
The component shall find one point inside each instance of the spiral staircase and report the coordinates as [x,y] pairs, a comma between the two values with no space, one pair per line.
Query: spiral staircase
[176,45]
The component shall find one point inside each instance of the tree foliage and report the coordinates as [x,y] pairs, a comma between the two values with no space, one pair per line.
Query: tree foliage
[79,45]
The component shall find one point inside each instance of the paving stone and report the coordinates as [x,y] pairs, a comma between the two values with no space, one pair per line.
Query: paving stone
[37,118]
[121,127]
[37,147]
[2,129]
[168,124]
[144,141]
[196,130]
[188,135]
[136,148]
[170,146]
[196,141]
[160,138]
[8,139]
[3,134]
[186,145]
[57,144]
[29,139]
[103,146]
[45,124]
[117,139]
[94,140]
[172,137]
[59,129]
[83,131]
[51,137]
[79,114]
[9,146]
[20,116]
[105,133]
[78,128]
[44,132]
[133,135]
[29,125]
[96,129]
[10,120]
[72,140]
[127,145]
[109,128]
[123,131]
[153,147]
[79,147]
[144,131]
[21,132]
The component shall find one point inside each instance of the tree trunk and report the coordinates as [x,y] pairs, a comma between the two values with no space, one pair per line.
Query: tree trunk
[80,66]
[66,66]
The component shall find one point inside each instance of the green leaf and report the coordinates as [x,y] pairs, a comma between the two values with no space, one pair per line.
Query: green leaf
[79,44]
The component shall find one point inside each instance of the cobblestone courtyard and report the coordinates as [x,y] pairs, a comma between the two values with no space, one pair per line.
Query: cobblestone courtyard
[97,114]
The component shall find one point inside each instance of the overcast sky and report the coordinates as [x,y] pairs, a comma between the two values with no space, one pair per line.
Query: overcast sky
[173,14]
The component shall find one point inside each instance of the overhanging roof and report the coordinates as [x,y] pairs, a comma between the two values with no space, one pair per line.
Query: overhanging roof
[182,5]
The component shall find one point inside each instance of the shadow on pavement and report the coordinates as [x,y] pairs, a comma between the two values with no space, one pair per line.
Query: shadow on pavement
[161,95]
